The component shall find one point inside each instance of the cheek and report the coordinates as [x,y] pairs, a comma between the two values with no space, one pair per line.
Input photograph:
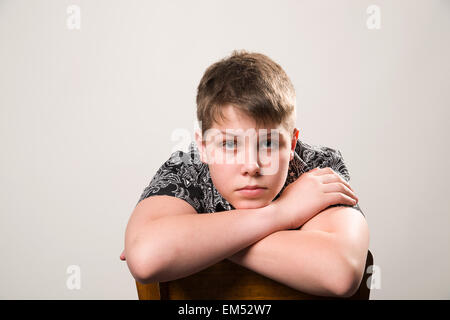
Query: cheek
[281,174]
[285,157]
[285,160]
[223,175]
[276,164]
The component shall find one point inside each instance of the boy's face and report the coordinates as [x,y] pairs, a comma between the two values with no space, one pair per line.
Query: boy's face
[239,154]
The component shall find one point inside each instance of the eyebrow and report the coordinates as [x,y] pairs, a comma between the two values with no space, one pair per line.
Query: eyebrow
[230,133]
[269,133]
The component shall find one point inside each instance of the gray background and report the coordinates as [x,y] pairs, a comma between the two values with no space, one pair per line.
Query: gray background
[87,118]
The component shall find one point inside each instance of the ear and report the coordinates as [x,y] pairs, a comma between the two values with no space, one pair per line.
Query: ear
[295,134]
[200,145]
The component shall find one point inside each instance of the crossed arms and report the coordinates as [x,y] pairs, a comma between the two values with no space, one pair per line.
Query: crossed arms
[332,246]
[325,257]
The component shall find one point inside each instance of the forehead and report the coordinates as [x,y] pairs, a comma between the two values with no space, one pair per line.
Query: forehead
[236,123]
[215,134]
[239,132]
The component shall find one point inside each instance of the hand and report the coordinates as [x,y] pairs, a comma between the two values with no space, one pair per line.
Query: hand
[312,192]
[122,256]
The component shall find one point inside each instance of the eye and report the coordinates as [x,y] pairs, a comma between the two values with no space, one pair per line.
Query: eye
[271,144]
[229,143]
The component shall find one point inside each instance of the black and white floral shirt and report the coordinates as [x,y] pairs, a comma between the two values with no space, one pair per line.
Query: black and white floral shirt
[186,177]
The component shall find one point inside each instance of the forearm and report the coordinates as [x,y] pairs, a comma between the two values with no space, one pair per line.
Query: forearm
[308,261]
[186,244]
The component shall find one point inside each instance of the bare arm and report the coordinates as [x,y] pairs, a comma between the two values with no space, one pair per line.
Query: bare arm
[326,257]
[177,242]
[175,246]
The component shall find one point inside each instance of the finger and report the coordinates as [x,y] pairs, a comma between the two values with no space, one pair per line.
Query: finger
[322,171]
[317,171]
[334,187]
[340,198]
[335,177]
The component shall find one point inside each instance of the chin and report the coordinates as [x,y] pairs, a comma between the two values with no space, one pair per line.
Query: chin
[250,204]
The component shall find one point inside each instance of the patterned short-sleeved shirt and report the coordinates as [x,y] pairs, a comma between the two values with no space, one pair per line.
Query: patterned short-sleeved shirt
[186,177]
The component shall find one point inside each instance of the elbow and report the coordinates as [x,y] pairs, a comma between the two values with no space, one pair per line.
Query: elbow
[345,283]
[144,266]
[347,288]
[141,272]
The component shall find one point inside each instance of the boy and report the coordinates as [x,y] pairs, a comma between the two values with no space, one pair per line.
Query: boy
[281,207]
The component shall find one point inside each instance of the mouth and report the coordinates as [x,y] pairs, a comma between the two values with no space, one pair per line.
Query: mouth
[252,191]
[253,187]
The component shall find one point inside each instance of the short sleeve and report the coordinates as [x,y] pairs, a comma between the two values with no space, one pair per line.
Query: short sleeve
[335,160]
[176,178]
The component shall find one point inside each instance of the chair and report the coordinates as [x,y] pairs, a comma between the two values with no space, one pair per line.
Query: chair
[229,281]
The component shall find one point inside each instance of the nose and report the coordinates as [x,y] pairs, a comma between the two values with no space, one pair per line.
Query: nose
[251,165]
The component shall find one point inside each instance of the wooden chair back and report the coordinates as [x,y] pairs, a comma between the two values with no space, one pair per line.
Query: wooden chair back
[229,281]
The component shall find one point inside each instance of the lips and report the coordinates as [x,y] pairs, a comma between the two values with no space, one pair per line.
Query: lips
[251,187]
[252,191]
